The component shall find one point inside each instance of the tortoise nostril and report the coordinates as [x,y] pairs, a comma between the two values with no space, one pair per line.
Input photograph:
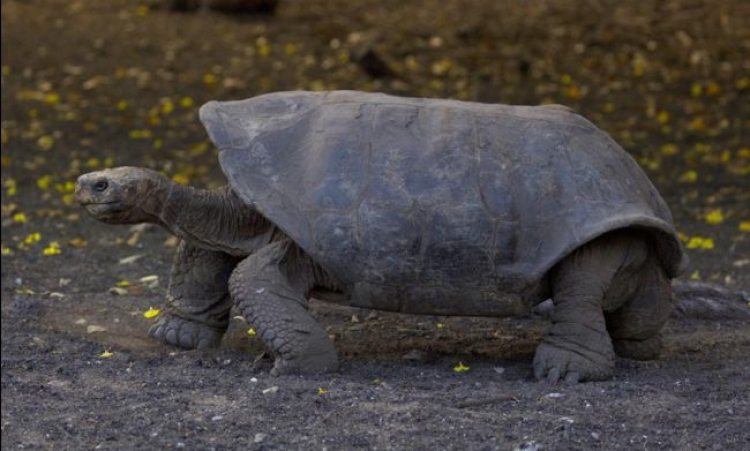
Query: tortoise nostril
[100,186]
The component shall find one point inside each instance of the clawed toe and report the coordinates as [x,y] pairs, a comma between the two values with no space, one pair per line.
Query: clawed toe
[553,364]
[185,333]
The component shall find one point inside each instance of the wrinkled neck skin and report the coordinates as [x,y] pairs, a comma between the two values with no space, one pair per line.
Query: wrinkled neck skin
[211,219]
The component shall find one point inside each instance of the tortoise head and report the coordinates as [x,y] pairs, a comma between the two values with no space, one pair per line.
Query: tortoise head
[122,195]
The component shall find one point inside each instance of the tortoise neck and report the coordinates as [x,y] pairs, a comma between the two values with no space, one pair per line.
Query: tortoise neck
[216,219]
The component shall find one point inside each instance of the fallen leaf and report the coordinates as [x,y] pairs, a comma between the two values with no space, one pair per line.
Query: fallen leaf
[151,313]
[118,291]
[78,243]
[460,368]
[715,217]
[149,279]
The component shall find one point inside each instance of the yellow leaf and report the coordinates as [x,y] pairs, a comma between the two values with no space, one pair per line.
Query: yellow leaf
[32,238]
[20,217]
[745,226]
[46,142]
[251,332]
[11,187]
[698,242]
[573,92]
[68,199]
[186,102]
[715,217]
[441,67]
[123,283]
[669,149]
[209,79]
[92,162]
[140,134]
[689,176]
[322,391]
[167,106]
[182,179]
[198,148]
[106,354]
[44,182]
[460,368]
[151,313]
[68,187]
[52,98]
[52,249]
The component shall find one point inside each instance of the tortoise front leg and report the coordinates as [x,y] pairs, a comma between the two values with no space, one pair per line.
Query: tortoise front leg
[270,289]
[198,303]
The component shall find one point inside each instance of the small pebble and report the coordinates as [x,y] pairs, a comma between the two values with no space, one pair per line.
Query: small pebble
[415,355]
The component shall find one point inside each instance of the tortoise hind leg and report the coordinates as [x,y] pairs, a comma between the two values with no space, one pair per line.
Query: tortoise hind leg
[198,303]
[636,326]
[578,346]
[270,288]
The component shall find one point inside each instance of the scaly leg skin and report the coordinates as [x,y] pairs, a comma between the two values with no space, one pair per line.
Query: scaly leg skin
[198,303]
[636,327]
[578,346]
[270,289]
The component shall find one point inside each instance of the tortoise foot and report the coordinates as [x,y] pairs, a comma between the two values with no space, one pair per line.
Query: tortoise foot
[574,357]
[307,364]
[185,333]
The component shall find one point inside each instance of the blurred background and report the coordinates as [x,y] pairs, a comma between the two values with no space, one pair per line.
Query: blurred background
[89,84]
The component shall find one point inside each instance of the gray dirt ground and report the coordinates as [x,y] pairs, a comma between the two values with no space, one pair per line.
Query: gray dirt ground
[92,84]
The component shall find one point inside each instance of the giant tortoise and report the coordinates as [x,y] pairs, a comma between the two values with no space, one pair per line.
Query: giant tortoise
[421,206]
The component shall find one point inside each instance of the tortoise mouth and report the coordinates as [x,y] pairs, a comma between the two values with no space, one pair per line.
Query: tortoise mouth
[103,209]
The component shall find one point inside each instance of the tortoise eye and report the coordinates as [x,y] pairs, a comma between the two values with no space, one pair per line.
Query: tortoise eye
[101,185]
